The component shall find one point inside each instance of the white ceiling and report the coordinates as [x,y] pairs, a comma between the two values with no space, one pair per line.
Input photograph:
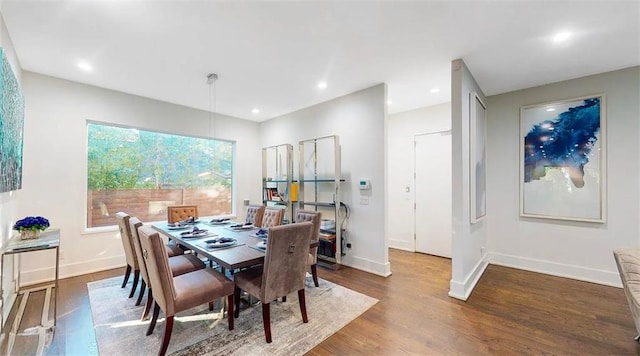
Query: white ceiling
[271,55]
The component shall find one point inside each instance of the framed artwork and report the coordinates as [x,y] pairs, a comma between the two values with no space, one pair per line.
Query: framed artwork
[11,128]
[562,160]
[477,157]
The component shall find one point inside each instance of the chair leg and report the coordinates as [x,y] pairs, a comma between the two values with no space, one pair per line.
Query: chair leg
[284,299]
[147,306]
[314,274]
[154,318]
[236,298]
[143,286]
[230,311]
[126,276]
[210,306]
[266,321]
[303,305]
[136,276]
[167,335]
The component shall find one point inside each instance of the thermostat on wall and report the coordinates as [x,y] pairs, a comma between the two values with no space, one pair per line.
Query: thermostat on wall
[364,184]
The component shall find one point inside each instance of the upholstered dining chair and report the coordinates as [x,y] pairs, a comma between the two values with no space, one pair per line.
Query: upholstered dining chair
[272,217]
[254,214]
[176,294]
[129,253]
[283,271]
[177,213]
[315,218]
[628,263]
[129,249]
[179,264]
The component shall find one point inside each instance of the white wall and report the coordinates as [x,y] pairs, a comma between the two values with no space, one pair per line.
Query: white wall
[359,120]
[401,131]
[8,200]
[55,152]
[468,260]
[571,249]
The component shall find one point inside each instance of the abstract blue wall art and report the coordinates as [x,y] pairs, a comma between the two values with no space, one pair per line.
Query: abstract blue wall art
[562,170]
[11,128]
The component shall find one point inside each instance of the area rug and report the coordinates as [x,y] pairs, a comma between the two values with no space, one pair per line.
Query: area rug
[198,332]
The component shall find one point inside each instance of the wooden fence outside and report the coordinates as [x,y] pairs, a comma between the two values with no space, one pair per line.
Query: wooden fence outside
[151,204]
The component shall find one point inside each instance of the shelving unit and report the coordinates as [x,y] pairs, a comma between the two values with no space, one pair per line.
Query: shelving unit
[319,187]
[278,188]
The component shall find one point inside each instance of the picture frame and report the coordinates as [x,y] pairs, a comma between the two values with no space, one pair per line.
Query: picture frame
[11,127]
[477,157]
[563,159]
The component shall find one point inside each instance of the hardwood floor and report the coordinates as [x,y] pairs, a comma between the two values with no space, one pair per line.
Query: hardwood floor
[74,333]
[510,312]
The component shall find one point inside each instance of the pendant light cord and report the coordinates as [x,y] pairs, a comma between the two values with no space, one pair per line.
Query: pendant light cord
[211,80]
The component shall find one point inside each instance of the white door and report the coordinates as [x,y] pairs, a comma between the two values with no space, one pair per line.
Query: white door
[433,222]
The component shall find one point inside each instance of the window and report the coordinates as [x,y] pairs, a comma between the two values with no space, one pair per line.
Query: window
[142,172]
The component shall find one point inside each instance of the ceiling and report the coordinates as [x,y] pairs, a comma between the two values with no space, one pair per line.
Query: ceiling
[272,55]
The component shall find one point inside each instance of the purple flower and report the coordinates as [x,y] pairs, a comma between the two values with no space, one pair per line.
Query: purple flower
[31,223]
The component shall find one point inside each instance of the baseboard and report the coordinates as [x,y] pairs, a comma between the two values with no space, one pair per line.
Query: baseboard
[608,278]
[71,270]
[462,290]
[402,245]
[76,269]
[380,269]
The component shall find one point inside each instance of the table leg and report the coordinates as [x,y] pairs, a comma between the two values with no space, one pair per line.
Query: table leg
[55,305]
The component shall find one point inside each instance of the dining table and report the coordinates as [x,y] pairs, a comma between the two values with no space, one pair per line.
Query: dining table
[245,250]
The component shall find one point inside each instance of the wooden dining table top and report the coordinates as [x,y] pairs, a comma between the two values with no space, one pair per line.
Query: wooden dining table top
[244,253]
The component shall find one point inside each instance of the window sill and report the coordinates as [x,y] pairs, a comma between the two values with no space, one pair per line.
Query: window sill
[99,230]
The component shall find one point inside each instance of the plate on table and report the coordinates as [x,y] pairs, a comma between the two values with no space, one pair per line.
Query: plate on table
[194,233]
[261,234]
[220,222]
[178,227]
[220,242]
[239,227]
[189,221]
[262,245]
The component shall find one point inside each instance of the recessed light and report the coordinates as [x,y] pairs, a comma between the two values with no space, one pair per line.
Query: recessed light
[85,66]
[551,109]
[255,111]
[561,36]
[435,90]
[389,102]
[322,85]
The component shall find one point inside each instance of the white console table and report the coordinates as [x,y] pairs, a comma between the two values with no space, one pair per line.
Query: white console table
[49,239]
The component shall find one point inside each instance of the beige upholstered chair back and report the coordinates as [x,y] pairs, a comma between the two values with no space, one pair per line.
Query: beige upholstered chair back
[181,212]
[254,214]
[628,262]
[315,217]
[160,275]
[134,224]
[127,241]
[285,261]
[272,217]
